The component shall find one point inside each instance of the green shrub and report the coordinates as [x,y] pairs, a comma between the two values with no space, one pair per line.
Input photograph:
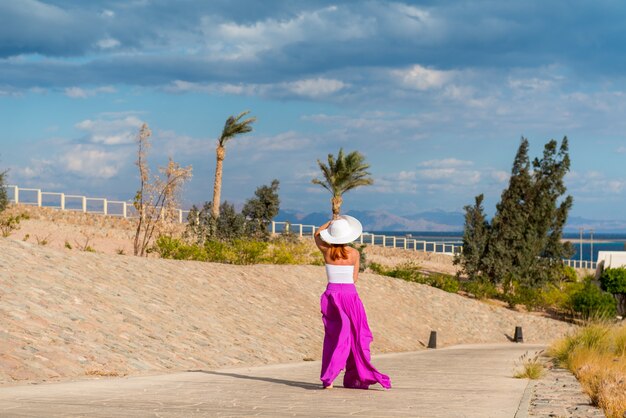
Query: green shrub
[247,251]
[168,247]
[407,271]
[519,294]
[444,282]
[614,280]
[591,302]
[288,251]
[480,289]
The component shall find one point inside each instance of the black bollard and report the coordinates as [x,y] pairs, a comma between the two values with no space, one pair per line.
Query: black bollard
[518,338]
[432,341]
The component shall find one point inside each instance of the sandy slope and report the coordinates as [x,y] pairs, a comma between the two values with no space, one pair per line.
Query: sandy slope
[69,314]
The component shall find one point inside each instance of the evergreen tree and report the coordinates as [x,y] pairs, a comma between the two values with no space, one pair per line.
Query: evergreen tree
[524,241]
[475,236]
[260,210]
[509,228]
[4,200]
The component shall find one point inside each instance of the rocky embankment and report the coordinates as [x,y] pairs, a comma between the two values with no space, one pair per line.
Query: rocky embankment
[67,314]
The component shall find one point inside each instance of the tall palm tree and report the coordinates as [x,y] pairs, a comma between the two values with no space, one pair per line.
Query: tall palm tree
[345,173]
[234,126]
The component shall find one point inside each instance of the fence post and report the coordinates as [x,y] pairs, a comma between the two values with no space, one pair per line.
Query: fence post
[105,206]
[384,241]
[300,230]
[39,197]
[62,201]
[394,242]
[373,239]
[84,204]
[405,243]
[124,210]
[361,239]
[180,216]
[273,227]
[16,193]
[414,245]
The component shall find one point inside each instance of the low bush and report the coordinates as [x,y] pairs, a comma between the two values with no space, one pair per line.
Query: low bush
[613,280]
[411,272]
[238,251]
[590,301]
[444,282]
[480,289]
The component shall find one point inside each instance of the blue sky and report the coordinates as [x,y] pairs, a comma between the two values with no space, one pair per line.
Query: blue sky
[436,94]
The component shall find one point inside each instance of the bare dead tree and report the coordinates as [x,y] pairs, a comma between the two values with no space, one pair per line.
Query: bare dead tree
[158,197]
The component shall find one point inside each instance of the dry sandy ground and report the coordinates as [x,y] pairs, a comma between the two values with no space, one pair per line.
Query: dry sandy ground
[67,314]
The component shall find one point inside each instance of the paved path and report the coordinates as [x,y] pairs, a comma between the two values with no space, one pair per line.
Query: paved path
[461,381]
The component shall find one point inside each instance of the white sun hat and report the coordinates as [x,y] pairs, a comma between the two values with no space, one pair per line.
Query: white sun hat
[343,230]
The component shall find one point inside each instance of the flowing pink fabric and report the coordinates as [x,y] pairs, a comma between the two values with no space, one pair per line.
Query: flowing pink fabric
[347,339]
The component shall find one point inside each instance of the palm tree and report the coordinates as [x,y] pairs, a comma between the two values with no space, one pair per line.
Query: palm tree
[346,173]
[233,127]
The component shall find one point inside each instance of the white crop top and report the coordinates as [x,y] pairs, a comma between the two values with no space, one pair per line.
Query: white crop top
[339,274]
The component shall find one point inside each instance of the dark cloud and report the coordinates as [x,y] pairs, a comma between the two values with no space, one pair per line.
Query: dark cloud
[157,42]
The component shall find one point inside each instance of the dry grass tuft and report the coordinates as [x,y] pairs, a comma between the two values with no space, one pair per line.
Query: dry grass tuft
[103,373]
[596,354]
[529,366]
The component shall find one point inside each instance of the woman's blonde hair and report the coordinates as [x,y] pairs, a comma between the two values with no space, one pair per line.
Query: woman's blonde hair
[338,251]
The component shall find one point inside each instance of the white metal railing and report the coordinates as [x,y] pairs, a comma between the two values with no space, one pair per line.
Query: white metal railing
[125,209]
[77,203]
[580,264]
[375,239]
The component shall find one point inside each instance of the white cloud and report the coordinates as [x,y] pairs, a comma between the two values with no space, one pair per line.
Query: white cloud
[81,93]
[91,162]
[621,150]
[446,162]
[422,78]
[108,43]
[500,176]
[593,184]
[315,87]
[111,131]
[230,40]
[533,84]
[311,88]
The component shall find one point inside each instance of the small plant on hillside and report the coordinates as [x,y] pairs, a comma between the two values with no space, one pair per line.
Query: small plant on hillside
[68,245]
[43,241]
[529,366]
[10,223]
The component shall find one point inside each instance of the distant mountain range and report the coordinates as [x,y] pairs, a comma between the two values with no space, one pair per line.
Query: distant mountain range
[436,220]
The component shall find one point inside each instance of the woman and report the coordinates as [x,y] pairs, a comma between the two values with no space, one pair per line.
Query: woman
[347,336]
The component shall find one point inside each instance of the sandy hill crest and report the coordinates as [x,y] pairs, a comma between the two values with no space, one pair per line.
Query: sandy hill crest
[69,314]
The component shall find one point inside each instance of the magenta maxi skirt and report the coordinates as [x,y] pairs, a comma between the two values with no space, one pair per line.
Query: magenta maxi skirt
[347,339]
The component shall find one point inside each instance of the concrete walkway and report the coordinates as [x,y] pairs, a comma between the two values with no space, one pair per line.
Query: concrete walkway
[461,381]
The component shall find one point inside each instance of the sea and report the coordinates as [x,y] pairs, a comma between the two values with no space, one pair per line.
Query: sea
[587,251]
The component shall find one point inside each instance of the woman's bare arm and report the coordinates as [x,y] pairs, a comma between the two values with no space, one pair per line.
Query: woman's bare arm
[321,244]
[355,274]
